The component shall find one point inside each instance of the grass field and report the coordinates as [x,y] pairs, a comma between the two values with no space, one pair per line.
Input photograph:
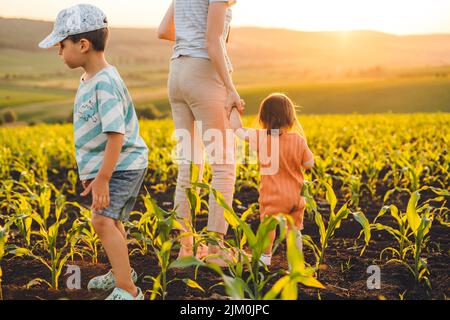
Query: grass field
[14,96]
[324,72]
[52,100]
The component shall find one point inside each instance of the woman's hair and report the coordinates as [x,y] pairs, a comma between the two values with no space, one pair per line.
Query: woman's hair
[278,112]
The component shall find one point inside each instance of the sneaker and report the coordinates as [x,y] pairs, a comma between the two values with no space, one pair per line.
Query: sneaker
[120,294]
[107,282]
[266,259]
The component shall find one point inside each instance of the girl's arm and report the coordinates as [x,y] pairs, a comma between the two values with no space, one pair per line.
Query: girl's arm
[166,30]
[308,158]
[238,127]
[215,26]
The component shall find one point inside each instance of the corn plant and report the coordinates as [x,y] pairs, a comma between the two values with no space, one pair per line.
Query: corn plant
[48,242]
[72,179]
[400,232]
[162,244]
[327,231]
[7,193]
[142,229]
[4,234]
[411,234]
[298,273]
[254,284]
[22,215]
[85,241]
[238,285]
[195,204]
[285,288]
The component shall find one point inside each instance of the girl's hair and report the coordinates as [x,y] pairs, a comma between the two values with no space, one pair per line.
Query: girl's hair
[278,112]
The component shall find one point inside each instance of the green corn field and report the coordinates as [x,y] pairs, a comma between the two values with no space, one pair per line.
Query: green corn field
[378,195]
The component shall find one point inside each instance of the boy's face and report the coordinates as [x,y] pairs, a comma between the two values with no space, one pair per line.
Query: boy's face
[73,54]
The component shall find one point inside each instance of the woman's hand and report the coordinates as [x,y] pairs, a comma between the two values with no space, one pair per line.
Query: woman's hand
[234,101]
[100,193]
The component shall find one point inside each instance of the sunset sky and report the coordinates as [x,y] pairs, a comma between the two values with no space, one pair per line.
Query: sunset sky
[392,16]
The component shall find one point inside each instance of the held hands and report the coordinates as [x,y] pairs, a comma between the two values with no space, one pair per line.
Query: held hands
[99,188]
[234,101]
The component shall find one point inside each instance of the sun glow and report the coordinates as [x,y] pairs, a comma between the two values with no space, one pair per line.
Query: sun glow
[399,16]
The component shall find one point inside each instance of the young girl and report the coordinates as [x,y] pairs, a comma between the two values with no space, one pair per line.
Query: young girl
[280,190]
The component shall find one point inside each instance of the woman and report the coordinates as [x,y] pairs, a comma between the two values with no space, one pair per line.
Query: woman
[202,94]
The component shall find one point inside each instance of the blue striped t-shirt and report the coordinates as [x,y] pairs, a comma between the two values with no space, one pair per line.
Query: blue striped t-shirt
[103,105]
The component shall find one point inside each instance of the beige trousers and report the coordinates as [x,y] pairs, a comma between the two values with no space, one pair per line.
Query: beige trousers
[198,98]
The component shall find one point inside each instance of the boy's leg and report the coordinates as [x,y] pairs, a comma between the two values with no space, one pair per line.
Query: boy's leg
[121,228]
[117,251]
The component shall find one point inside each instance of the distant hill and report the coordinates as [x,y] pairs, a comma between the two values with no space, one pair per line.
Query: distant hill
[273,49]
[325,72]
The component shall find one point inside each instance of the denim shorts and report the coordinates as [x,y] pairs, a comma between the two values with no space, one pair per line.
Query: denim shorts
[124,188]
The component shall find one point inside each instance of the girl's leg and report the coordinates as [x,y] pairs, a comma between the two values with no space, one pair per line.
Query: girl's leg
[117,251]
[266,257]
[272,235]
[298,216]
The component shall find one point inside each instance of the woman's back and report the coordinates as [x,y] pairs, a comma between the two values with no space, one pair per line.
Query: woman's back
[191,17]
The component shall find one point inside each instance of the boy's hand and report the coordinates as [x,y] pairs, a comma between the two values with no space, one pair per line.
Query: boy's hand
[86,183]
[100,193]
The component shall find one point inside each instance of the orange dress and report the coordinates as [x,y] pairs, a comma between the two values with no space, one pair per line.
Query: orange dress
[281,176]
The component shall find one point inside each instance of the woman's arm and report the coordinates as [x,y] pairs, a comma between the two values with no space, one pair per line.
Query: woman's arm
[215,26]
[166,30]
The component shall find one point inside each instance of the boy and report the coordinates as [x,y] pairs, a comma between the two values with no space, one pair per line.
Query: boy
[112,157]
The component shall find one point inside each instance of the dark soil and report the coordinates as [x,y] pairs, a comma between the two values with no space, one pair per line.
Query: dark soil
[344,274]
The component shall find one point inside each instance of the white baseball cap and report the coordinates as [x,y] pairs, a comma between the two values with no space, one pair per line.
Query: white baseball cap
[75,20]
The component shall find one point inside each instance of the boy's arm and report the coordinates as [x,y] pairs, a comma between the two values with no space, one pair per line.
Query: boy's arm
[112,153]
[100,185]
